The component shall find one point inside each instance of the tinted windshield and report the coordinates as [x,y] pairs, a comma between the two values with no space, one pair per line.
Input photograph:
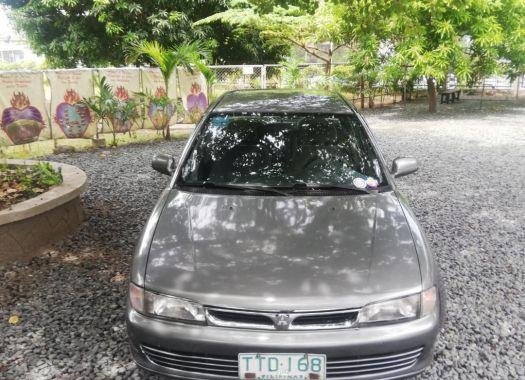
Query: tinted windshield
[282,150]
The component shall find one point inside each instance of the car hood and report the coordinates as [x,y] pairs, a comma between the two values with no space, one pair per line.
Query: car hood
[283,253]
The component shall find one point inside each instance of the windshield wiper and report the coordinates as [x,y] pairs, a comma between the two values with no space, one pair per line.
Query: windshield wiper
[327,186]
[214,185]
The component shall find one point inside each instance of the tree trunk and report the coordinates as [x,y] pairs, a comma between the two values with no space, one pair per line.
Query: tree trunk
[328,71]
[328,64]
[114,143]
[328,67]
[167,136]
[432,95]
[362,92]
[98,122]
[179,96]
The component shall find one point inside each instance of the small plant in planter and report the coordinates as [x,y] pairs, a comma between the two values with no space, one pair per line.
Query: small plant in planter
[18,183]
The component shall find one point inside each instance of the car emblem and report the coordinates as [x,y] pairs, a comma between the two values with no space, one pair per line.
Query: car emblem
[282,321]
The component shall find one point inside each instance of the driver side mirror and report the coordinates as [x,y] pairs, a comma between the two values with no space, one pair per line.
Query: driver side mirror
[163,163]
[403,165]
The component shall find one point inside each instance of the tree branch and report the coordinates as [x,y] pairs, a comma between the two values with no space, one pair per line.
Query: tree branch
[337,47]
[307,49]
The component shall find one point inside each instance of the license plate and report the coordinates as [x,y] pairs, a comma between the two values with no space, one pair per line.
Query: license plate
[254,366]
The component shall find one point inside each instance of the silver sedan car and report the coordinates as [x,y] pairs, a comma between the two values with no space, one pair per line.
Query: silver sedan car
[281,249]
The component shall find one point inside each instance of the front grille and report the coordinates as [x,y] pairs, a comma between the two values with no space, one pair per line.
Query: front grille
[322,320]
[203,364]
[371,365]
[241,318]
[333,319]
[226,366]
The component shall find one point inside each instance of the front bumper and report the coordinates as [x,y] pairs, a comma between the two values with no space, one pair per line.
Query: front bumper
[206,352]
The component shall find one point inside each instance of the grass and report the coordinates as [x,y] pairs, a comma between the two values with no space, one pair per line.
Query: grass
[46,147]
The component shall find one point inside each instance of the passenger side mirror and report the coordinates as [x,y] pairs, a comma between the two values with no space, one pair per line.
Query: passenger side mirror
[163,163]
[403,165]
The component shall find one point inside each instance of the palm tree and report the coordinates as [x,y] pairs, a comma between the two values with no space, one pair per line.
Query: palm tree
[99,103]
[291,73]
[210,78]
[185,55]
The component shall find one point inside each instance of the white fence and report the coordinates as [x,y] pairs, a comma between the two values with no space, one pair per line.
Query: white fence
[236,77]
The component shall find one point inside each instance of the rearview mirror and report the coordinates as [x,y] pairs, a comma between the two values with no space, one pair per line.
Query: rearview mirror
[163,163]
[403,165]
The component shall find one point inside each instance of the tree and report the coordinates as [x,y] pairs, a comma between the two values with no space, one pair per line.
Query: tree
[185,55]
[97,33]
[320,28]
[368,25]
[510,14]
[465,38]
[282,23]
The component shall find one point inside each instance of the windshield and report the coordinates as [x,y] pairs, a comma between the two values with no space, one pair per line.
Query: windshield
[283,150]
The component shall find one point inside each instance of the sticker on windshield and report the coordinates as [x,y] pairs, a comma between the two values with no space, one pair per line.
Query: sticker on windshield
[360,183]
[372,182]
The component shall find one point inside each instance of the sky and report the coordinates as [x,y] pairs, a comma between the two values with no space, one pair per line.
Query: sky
[6,29]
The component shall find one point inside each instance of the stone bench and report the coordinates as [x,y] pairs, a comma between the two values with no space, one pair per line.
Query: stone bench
[450,96]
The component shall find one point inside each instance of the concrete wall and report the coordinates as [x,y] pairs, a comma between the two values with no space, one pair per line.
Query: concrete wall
[26,238]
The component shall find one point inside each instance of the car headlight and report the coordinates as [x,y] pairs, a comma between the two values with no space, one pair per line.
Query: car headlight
[400,309]
[165,306]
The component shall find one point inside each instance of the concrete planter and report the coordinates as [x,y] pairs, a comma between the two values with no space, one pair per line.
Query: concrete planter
[29,226]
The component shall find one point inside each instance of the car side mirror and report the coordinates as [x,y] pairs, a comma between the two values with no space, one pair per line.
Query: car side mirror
[403,165]
[163,163]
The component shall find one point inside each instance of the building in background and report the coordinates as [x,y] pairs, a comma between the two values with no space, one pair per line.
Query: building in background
[14,49]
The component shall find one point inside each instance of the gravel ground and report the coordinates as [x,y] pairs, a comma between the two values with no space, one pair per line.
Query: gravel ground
[468,196]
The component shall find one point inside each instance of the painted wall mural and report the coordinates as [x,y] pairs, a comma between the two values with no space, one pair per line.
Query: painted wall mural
[196,102]
[160,109]
[22,103]
[40,105]
[72,116]
[121,120]
[22,122]
[152,80]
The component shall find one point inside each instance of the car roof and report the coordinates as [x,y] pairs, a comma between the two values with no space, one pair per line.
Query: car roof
[282,101]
